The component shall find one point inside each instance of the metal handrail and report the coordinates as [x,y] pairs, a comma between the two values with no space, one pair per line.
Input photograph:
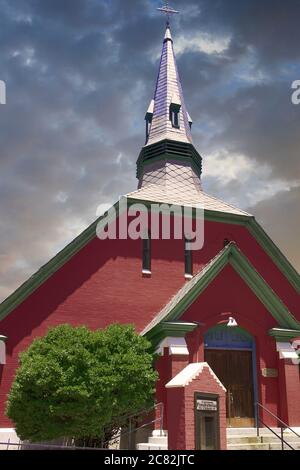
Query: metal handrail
[278,419]
[282,427]
[32,446]
[128,433]
[131,417]
[283,441]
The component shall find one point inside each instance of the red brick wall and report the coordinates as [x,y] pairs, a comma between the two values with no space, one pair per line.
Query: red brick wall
[289,390]
[103,284]
[176,419]
[181,411]
[168,366]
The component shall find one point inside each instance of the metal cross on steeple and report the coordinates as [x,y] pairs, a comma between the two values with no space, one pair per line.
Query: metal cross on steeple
[168,11]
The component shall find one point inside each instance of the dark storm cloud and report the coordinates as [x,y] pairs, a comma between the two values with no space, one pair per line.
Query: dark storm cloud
[80,74]
[280,218]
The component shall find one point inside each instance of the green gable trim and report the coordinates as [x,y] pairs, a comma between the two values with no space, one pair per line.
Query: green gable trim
[226,218]
[233,256]
[45,272]
[262,290]
[274,252]
[263,239]
[283,335]
[169,329]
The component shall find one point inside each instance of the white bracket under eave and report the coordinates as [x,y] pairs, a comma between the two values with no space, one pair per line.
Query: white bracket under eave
[176,346]
[286,351]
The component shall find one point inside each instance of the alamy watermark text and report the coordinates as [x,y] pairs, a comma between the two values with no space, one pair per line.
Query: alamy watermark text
[2,92]
[296,93]
[161,221]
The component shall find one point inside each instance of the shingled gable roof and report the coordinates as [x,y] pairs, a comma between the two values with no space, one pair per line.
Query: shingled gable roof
[172,193]
[232,255]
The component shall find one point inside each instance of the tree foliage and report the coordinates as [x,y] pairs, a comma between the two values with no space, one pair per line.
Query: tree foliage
[75,382]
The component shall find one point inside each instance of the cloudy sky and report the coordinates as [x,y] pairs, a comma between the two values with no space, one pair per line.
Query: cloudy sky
[80,75]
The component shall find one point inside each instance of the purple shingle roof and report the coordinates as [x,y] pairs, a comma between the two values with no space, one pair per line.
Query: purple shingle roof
[168,90]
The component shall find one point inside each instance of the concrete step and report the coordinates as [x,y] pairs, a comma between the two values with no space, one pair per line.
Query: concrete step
[253,432]
[150,446]
[249,432]
[248,446]
[262,439]
[8,435]
[267,447]
[295,445]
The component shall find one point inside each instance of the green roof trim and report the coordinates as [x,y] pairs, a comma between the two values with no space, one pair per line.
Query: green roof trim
[169,329]
[283,334]
[226,218]
[263,239]
[275,253]
[232,255]
[45,272]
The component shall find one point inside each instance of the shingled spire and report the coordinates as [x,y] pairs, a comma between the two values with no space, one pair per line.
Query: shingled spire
[168,127]
[168,99]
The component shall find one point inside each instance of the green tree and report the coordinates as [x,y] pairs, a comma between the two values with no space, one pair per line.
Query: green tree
[76,383]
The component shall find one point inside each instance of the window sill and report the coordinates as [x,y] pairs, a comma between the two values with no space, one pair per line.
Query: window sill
[188,277]
[146,273]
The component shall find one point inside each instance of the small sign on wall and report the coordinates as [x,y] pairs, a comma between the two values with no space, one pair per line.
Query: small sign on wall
[267,372]
[207,405]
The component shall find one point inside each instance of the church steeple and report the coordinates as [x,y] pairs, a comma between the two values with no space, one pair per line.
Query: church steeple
[169,141]
[170,118]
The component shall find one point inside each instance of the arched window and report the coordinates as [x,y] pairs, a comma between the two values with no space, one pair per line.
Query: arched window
[174,111]
[175,118]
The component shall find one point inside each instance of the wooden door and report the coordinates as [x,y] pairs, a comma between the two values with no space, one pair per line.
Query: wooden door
[234,370]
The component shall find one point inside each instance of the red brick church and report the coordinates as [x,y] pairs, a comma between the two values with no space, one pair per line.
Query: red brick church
[224,318]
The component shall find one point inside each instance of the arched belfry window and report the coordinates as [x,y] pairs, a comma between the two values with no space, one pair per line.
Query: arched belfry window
[175,112]
[188,259]
[175,118]
[147,253]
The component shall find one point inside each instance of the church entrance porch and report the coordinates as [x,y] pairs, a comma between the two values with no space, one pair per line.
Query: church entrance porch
[230,354]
